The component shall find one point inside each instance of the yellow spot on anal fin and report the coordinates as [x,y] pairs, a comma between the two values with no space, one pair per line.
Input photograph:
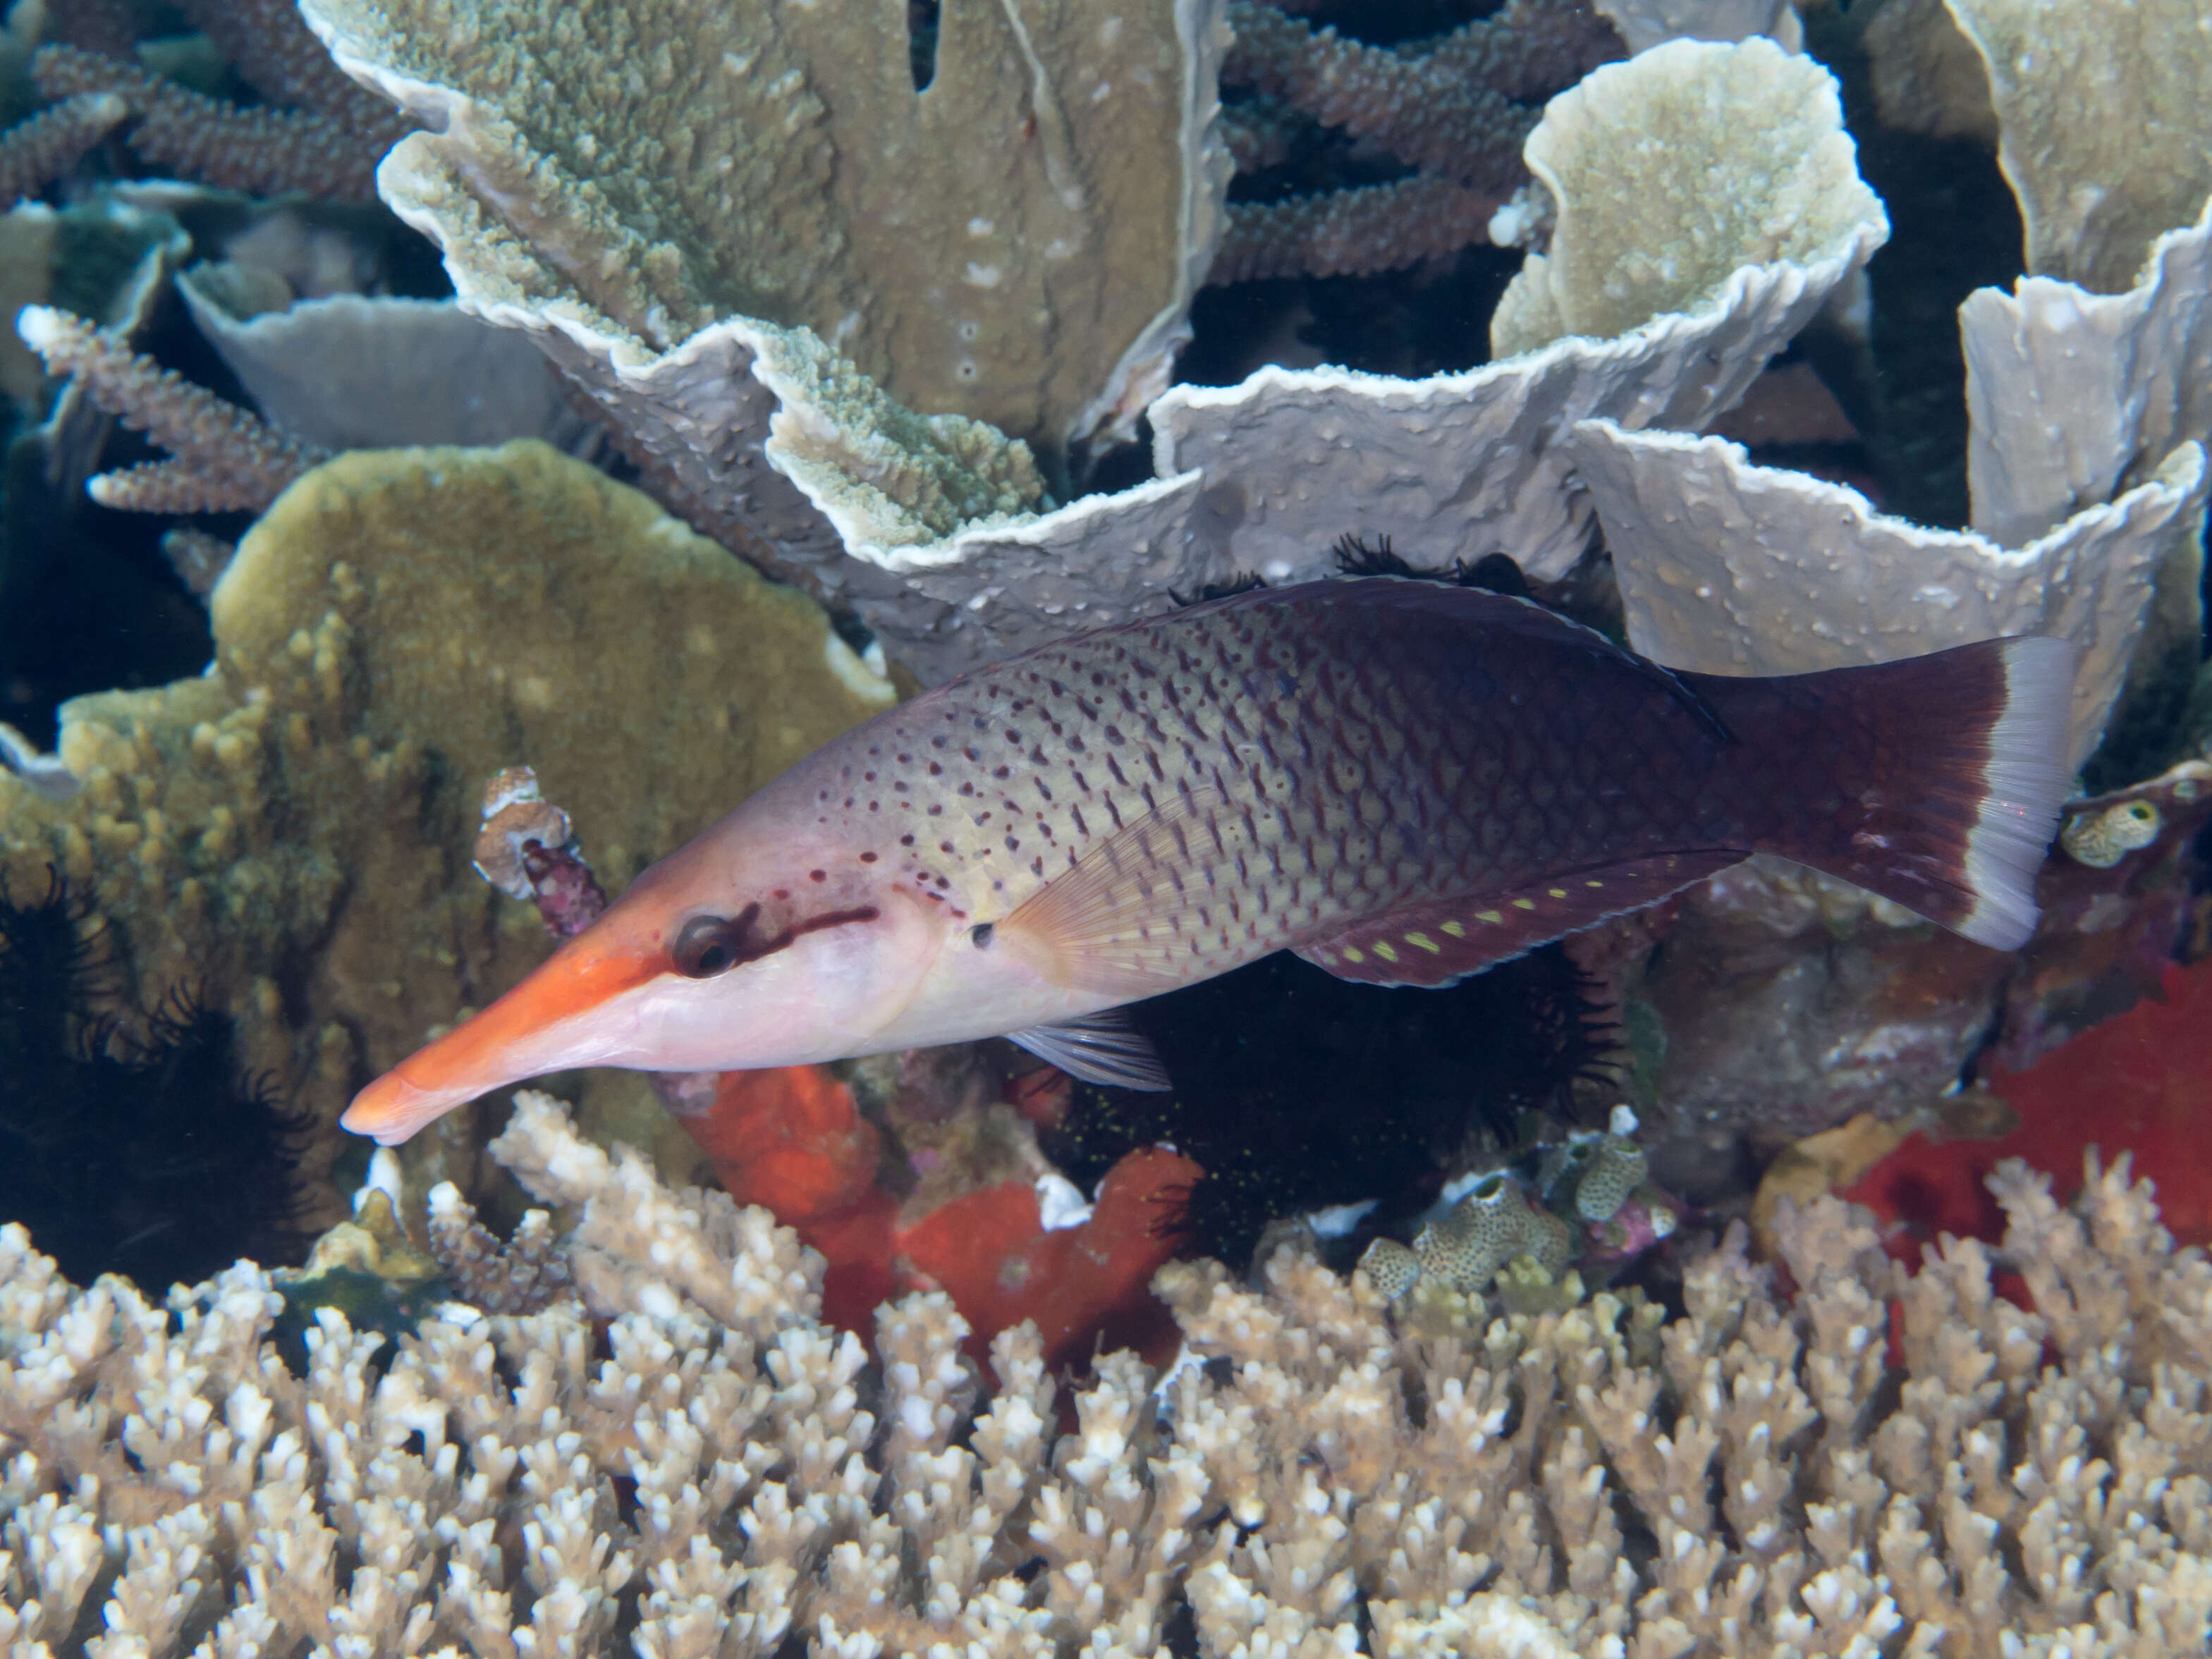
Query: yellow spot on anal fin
[1386,953]
[1351,955]
[1556,892]
[1424,942]
[1488,916]
[1454,930]
[1525,904]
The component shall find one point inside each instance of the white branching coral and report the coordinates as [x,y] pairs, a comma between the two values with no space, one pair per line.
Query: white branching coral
[696,1466]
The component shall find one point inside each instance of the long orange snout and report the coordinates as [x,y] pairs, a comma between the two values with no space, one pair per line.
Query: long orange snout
[560,1016]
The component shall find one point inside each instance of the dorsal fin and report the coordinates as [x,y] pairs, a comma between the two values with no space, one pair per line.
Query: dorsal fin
[1503,612]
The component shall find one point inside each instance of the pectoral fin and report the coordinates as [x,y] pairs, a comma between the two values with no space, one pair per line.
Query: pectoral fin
[1129,919]
[1101,1048]
[1437,942]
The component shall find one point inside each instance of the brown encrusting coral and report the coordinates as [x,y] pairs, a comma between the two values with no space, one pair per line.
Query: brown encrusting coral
[289,830]
[718,1473]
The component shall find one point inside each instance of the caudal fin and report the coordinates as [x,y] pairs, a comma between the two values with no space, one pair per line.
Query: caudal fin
[1936,782]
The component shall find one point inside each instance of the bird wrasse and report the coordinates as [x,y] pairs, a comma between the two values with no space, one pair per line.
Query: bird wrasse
[1403,782]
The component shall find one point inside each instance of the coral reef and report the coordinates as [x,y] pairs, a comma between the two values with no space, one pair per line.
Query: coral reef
[265,150]
[1770,1003]
[1583,1205]
[1648,273]
[829,458]
[799,329]
[793,1140]
[1731,569]
[289,830]
[78,613]
[35,153]
[2088,420]
[2088,483]
[2110,930]
[719,1474]
[352,371]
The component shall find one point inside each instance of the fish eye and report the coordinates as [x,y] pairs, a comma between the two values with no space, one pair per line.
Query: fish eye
[709,946]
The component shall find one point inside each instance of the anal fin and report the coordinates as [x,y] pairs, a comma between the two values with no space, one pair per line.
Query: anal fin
[1101,1048]
[1439,940]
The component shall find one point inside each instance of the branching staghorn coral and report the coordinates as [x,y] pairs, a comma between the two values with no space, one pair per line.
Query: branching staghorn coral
[1457,108]
[280,58]
[320,133]
[224,458]
[264,150]
[36,152]
[1751,1478]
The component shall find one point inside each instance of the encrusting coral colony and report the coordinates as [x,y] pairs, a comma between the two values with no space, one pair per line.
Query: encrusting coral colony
[531,426]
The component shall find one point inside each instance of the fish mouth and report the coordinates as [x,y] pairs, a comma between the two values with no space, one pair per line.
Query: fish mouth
[392,1109]
[563,1015]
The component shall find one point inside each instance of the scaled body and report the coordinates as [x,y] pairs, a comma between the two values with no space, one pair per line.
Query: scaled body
[1404,783]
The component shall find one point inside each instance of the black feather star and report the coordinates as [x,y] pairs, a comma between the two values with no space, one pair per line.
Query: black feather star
[1493,572]
[129,1140]
[1295,1090]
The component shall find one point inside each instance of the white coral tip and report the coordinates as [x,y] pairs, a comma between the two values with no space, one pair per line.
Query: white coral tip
[384,1176]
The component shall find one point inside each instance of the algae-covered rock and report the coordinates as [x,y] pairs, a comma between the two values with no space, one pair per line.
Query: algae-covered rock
[291,832]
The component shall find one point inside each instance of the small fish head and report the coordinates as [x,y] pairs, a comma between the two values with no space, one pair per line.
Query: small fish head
[716,959]
[786,966]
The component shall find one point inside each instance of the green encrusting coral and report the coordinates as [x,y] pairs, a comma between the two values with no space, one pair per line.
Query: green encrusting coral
[290,832]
